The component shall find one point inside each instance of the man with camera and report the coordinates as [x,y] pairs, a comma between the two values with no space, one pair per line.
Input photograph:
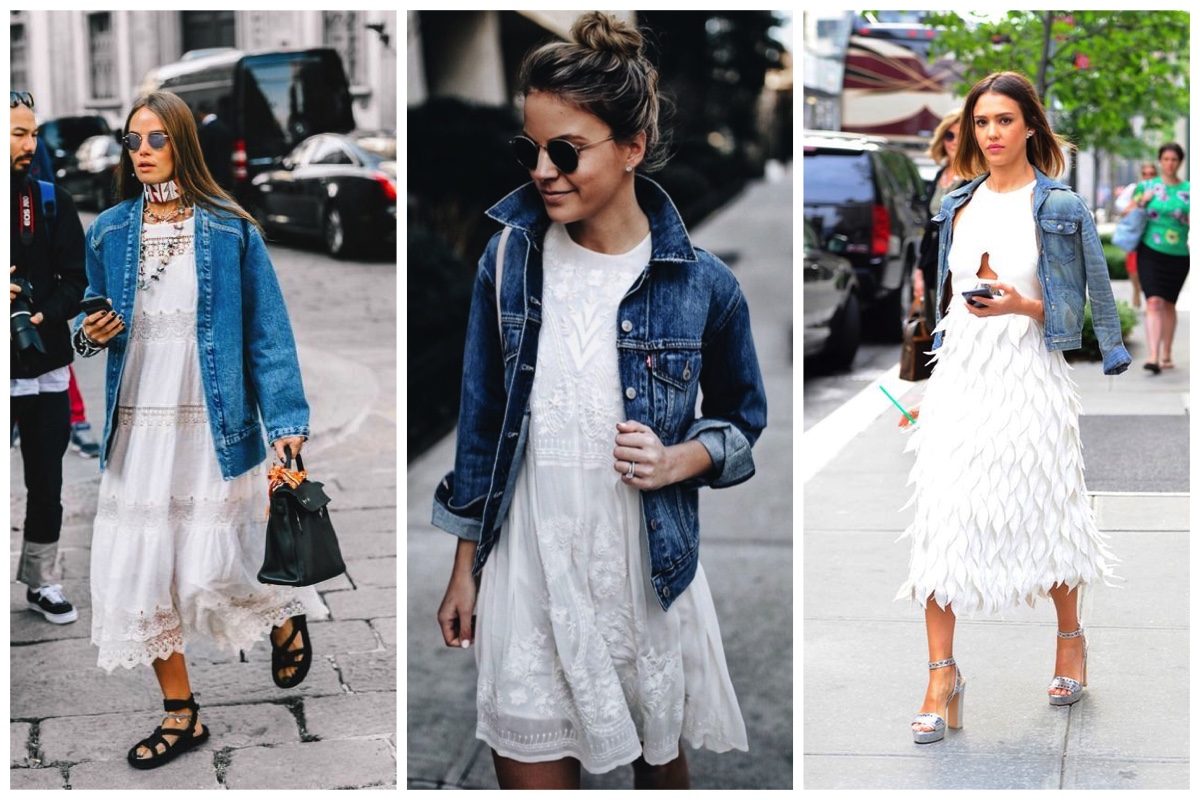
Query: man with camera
[46,282]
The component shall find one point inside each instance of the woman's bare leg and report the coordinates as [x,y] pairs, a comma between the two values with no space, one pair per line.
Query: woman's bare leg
[561,774]
[1168,330]
[672,775]
[1068,662]
[1154,327]
[172,677]
[939,631]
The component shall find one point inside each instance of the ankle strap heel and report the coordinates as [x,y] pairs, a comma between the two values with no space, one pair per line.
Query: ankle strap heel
[1073,687]
[953,715]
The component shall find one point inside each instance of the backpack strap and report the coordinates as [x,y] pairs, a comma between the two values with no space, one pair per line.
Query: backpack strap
[499,274]
[49,205]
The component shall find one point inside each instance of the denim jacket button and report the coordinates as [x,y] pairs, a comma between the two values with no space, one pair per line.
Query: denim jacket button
[666,591]
[653,524]
[631,393]
[626,326]
[1060,227]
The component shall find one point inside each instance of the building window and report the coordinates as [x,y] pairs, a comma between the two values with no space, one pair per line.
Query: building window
[20,57]
[101,46]
[343,33]
[206,29]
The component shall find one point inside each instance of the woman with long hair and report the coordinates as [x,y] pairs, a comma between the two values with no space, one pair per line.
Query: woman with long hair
[1163,257]
[595,323]
[1002,513]
[942,149]
[200,358]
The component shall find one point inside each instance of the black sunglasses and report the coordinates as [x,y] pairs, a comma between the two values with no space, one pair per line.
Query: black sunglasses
[948,136]
[20,98]
[133,141]
[563,154]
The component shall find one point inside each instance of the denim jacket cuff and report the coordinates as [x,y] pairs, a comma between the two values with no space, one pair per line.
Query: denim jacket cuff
[461,526]
[275,434]
[730,452]
[1116,360]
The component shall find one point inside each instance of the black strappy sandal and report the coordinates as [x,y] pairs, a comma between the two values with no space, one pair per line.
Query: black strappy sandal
[183,739]
[283,657]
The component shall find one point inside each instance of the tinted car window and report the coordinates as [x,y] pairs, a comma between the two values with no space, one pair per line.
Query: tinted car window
[68,133]
[836,176]
[295,96]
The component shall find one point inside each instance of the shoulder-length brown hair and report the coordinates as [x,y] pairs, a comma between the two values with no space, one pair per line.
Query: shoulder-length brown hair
[195,182]
[1043,149]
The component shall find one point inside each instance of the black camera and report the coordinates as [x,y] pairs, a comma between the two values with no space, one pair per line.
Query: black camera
[24,332]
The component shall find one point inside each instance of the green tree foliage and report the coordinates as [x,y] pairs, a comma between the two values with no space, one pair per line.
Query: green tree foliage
[1095,70]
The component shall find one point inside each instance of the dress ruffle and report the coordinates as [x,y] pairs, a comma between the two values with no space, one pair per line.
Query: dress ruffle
[1002,512]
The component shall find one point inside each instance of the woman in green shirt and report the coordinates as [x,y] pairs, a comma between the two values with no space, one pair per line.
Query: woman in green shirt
[1162,255]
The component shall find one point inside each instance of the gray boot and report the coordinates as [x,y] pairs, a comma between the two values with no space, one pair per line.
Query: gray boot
[37,564]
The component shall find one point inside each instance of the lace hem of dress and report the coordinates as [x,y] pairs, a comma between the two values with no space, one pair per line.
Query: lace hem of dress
[178,510]
[161,416]
[167,326]
[244,621]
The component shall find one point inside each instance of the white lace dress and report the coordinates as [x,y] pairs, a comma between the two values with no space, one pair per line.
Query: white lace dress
[576,656]
[1002,512]
[176,549]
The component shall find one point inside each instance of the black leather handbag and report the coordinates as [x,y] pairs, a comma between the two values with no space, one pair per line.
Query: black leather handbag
[302,548]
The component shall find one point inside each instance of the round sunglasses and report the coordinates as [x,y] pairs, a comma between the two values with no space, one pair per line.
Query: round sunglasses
[563,154]
[133,141]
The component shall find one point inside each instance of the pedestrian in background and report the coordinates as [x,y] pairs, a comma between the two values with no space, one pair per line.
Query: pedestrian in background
[1162,255]
[1124,203]
[46,281]
[1002,512]
[942,149]
[216,143]
[206,360]
[579,454]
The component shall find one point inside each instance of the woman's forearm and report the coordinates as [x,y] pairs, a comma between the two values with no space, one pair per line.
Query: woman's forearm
[687,460]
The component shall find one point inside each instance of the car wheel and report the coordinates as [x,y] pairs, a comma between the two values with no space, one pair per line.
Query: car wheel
[844,337]
[334,230]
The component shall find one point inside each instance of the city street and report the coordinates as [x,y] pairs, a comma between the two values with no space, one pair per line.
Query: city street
[71,724]
[865,655]
[746,533]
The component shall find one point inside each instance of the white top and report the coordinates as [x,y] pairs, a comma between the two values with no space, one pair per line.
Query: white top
[1001,225]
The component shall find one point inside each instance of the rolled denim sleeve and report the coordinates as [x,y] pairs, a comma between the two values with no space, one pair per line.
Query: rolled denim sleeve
[734,405]
[459,498]
[1105,320]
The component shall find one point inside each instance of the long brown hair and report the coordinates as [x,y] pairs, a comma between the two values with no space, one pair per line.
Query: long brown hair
[195,182]
[1043,149]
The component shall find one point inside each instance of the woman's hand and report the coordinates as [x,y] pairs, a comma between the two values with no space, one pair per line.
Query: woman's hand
[292,443]
[914,412]
[456,616]
[918,282]
[1010,301]
[656,465]
[102,326]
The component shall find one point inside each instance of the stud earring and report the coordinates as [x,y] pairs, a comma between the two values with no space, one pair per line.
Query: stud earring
[628,168]
[1028,134]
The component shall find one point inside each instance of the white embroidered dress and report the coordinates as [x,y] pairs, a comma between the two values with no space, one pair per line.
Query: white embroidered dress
[1002,512]
[176,549]
[576,656]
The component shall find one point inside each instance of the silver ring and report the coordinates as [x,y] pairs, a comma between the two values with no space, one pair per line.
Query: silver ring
[632,470]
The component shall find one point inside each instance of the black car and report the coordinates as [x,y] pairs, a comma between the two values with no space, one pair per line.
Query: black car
[62,136]
[341,188]
[832,319]
[870,192]
[90,176]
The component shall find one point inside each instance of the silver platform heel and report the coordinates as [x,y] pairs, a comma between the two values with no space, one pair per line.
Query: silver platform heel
[954,709]
[1070,684]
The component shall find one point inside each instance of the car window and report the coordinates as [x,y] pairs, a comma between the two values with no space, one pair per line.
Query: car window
[330,151]
[836,177]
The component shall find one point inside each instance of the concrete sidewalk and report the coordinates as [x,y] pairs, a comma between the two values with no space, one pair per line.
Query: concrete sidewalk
[71,724]
[865,656]
[746,552]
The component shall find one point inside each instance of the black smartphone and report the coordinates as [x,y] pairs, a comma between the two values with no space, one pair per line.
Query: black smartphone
[91,305]
[982,291]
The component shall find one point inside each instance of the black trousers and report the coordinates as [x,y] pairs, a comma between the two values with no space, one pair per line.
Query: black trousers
[44,421]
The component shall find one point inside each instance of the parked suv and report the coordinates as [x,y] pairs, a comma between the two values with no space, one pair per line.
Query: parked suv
[865,189]
[64,135]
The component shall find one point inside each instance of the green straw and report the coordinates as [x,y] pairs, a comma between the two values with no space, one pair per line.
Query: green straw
[897,405]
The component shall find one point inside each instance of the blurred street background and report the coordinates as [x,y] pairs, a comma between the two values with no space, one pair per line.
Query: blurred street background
[876,86]
[311,99]
[730,77]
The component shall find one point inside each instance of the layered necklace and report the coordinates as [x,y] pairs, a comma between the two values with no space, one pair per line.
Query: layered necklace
[162,250]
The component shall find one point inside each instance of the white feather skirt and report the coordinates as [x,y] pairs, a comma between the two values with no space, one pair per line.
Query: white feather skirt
[1002,512]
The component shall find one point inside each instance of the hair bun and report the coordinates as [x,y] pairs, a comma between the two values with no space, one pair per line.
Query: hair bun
[605,33]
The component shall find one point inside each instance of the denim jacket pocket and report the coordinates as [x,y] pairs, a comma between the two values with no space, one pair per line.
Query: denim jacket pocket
[1060,240]
[676,375]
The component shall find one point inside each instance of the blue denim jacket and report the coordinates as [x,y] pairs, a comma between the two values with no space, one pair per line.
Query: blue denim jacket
[1070,263]
[683,327]
[247,353]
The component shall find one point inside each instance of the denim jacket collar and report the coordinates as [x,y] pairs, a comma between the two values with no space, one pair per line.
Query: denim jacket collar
[1041,189]
[524,210]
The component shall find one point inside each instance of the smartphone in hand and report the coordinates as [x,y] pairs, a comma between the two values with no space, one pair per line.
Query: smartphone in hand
[91,305]
[983,290]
